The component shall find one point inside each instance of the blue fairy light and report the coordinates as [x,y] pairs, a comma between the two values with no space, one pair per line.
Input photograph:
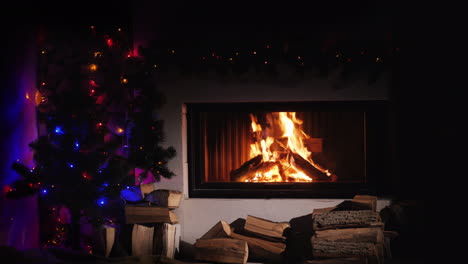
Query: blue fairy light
[44,191]
[101,201]
[71,165]
[59,130]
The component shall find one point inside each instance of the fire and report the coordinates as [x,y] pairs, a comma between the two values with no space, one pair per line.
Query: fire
[279,144]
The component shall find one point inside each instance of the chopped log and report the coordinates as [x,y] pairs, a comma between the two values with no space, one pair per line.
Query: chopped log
[261,249]
[309,169]
[109,234]
[238,226]
[142,240]
[223,250]
[146,188]
[358,235]
[367,200]
[242,173]
[266,227]
[159,239]
[346,219]
[350,242]
[318,211]
[298,239]
[220,230]
[165,198]
[139,214]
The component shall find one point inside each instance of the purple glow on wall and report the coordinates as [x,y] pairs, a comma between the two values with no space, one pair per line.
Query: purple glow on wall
[19,218]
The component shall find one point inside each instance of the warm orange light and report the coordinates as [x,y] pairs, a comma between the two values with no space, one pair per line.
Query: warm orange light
[120,130]
[277,151]
[124,80]
[93,67]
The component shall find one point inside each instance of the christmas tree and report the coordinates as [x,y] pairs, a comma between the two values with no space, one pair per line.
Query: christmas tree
[97,120]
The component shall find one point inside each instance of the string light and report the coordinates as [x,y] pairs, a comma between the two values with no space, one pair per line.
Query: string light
[59,130]
[93,67]
[109,42]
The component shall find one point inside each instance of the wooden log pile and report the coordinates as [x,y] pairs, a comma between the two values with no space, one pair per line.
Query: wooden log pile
[151,225]
[352,229]
[350,233]
[264,241]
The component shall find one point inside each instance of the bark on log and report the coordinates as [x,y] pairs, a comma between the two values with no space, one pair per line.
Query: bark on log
[346,219]
[242,173]
[309,169]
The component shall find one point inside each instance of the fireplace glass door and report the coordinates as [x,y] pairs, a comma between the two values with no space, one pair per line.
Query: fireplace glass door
[288,148]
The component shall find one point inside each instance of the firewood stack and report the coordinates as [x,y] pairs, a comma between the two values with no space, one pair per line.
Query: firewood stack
[151,223]
[252,239]
[352,230]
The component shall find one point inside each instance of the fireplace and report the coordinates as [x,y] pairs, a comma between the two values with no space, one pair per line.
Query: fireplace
[326,149]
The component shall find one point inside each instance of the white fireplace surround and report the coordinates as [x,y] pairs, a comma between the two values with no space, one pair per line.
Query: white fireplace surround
[198,215]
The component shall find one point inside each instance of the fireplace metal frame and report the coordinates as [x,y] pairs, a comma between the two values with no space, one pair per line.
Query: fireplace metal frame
[377,155]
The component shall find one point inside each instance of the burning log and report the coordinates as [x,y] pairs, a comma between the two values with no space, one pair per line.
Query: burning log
[309,169]
[244,171]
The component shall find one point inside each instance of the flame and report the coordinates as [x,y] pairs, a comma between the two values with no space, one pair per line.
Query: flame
[278,166]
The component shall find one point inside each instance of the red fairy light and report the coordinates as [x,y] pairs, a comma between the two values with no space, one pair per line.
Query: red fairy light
[86,176]
[93,83]
[7,189]
[109,42]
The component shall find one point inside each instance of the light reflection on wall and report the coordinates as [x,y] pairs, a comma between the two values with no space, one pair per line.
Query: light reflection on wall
[18,218]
